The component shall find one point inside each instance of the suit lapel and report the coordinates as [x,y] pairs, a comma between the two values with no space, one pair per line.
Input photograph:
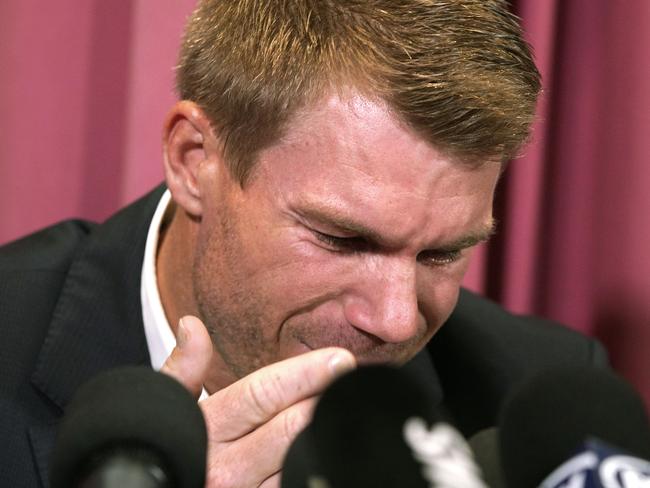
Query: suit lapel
[474,363]
[422,369]
[41,438]
[97,322]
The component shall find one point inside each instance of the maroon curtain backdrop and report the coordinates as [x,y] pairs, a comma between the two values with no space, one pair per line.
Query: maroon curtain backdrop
[85,84]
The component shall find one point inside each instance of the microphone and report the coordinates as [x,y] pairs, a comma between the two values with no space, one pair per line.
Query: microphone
[372,428]
[586,421]
[599,465]
[485,446]
[130,427]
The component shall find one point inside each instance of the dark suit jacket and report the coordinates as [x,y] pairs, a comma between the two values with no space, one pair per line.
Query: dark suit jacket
[70,308]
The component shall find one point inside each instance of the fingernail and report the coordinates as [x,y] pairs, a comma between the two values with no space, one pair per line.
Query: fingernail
[340,363]
[183,334]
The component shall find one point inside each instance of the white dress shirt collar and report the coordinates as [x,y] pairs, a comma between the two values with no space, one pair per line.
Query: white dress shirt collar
[160,338]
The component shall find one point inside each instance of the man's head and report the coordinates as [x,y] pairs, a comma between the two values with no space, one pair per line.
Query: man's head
[457,72]
[333,167]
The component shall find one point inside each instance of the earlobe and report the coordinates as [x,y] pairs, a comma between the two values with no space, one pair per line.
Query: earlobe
[186,150]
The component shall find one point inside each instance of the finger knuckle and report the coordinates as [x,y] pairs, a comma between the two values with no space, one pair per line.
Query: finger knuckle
[295,420]
[264,396]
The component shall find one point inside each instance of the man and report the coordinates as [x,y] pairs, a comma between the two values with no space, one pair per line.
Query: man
[330,167]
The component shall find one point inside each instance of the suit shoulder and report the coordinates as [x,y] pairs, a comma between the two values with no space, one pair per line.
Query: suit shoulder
[33,270]
[49,249]
[483,351]
[527,339]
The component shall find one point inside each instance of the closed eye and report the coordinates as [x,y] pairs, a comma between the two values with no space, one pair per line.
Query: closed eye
[439,257]
[359,244]
[342,244]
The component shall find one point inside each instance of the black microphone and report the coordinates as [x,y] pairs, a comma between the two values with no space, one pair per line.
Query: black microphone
[130,427]
[567,426]
[378,427]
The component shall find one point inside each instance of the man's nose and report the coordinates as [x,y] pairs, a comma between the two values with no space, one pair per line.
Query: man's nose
[384,301]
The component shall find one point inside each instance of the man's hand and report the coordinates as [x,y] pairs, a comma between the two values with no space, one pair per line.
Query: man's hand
[252,422]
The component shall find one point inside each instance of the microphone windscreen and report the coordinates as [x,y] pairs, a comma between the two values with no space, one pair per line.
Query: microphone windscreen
[356,437]
[549,417]
[131,407]
[363,434]
[485,446]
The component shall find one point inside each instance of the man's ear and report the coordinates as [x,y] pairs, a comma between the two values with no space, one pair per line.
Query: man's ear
[189,148]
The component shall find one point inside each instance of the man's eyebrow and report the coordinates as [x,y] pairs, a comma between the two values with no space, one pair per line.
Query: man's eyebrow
[473,239]
[333,218]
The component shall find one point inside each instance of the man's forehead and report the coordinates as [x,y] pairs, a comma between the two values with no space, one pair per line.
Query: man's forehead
[346,115]
[339,109]
[351,162]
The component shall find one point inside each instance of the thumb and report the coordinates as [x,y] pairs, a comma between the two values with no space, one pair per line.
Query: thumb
[190,360]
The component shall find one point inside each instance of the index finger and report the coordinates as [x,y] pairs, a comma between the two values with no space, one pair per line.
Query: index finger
[250,402]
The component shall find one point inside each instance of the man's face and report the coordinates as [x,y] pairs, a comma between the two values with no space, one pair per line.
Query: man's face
[352,232]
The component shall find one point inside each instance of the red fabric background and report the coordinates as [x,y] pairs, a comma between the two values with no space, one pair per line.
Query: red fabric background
[85,84]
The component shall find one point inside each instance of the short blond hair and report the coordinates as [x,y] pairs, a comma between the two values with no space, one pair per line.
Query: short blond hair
[456,71]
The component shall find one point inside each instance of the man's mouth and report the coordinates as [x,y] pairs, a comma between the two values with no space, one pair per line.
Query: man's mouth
[368,355]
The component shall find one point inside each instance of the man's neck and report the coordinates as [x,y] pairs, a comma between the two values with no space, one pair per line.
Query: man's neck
[174,268]
[174,260]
